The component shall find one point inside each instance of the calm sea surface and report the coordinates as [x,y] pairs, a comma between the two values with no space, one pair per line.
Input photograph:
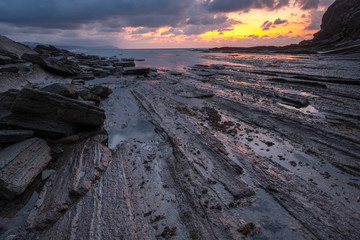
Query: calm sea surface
[338,66]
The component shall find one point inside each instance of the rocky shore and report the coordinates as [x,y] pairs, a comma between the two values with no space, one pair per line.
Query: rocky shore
[111,151]
[52,141]
[97,148]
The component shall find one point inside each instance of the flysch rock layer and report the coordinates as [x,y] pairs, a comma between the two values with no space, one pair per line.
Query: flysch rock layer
[57,107]
[20,164]
[80,166]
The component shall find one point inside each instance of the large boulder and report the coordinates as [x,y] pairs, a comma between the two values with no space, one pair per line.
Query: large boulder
[51,50]
[124,64]
[47,127]
[136,70]
[63,67]
[101,91]
[66,90]
[53,106]
[60,66]
[34,58]
[20,164]
[88,96]
[15,48]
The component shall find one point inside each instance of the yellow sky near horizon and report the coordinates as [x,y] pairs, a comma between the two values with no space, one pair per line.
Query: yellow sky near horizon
[247,33]
[297,20]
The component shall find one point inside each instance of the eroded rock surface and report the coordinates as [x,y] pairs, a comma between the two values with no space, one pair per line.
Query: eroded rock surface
[49,105]
[236,156]
[80,166]
[20,164]
[225,151]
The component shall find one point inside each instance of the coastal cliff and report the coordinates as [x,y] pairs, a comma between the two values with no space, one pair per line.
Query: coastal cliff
[340,29]
[341,22]
[339,34]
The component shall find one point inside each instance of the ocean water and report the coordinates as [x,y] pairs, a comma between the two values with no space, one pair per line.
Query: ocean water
[337,66]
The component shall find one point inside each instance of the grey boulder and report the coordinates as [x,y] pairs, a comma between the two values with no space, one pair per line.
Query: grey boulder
[136,70]
[66,90]
[101,91]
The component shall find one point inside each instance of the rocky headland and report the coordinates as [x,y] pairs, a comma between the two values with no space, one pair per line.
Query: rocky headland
[339,34]
[97,148]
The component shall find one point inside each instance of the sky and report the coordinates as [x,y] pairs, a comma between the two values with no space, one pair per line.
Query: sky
[162,23]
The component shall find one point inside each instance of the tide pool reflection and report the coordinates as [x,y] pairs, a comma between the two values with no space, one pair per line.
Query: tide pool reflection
[137,129]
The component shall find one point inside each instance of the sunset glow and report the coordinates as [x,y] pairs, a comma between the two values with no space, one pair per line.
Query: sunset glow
[200,23]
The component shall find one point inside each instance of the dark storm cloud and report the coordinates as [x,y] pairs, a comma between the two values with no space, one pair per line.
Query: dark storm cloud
[116,14]
[200,29]
[69,14]
[207,20]
[308,4]
[243,5]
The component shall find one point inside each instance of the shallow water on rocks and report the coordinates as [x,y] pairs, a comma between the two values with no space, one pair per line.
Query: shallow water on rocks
[220,145]
[137,129]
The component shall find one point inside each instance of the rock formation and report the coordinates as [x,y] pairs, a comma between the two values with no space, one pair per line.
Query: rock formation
[20,164]
[340,33]
[341,22]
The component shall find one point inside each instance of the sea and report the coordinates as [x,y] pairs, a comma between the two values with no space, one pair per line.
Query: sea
[318,65]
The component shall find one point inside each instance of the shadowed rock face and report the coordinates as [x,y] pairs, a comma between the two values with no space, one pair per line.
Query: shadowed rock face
[340,22]
[57,107]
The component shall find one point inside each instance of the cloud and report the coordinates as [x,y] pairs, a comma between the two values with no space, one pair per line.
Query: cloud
[142,30]
[279,21]
[315,22]
[308,4]
[266,25]
[207,19]
[93,21]
[243,5]
[69,14]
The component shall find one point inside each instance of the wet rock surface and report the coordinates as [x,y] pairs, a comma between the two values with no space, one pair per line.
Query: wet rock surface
[216,152]
[241,162]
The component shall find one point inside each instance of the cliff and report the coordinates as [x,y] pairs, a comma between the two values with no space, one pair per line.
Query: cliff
[340,29]
[339,34]
[341,22]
